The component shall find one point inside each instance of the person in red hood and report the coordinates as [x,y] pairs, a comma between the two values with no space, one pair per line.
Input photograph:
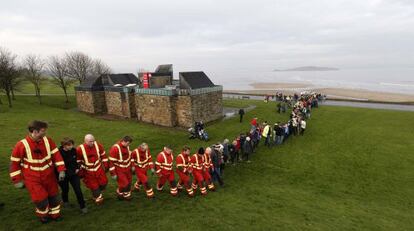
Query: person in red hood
[33,163]
[254,122]
[120,167]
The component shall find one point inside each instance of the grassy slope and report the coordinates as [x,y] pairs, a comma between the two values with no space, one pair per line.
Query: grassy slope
[353,169]
[47,87]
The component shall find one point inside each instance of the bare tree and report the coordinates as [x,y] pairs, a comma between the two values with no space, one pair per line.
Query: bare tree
[100,68]
[58,69]
[80,65]
[17,82]
[33,69]
[8,72]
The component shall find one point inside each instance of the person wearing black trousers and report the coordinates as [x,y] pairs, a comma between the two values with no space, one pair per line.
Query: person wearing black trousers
[68,153]
[241,113]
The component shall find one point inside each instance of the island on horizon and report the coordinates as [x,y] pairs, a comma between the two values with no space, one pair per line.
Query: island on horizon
[309,68]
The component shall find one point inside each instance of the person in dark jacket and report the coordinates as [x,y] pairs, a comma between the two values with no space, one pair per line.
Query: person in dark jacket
[280,133]
[68,153]
[233,152]
[247,149]
[242,140]
[241,113]
[216,160]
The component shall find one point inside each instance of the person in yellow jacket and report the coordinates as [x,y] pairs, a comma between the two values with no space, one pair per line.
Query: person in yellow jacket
[266,133]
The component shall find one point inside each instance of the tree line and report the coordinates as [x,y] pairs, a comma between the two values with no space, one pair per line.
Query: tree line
[63,70]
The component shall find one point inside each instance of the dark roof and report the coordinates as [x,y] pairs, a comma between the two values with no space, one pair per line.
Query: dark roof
[110,80]
[123,79]
[194,80]
[164,68]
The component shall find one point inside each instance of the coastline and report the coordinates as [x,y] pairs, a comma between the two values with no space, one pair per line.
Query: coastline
[332,93]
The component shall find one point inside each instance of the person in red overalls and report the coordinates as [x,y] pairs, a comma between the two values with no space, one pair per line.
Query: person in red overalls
[142,162]
[183,164]
[120,167]
[33,163]
[94,163]
[164,166]
[208,166]
[197,165]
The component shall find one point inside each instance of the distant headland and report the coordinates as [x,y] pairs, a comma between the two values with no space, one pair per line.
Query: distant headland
[309,68]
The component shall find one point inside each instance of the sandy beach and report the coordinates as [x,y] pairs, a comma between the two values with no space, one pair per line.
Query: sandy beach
[333,93]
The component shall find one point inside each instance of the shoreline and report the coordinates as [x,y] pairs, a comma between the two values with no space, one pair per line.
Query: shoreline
[332,93]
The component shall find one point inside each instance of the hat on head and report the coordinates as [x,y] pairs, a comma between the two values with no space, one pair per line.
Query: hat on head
[201,150]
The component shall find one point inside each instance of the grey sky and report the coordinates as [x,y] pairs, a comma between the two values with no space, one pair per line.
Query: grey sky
[216,35]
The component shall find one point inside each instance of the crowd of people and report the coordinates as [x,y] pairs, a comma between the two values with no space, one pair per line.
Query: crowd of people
[40,166]
[244,145]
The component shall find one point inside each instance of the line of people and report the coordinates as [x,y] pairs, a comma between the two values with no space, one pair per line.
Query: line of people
[40,166]
[245,144]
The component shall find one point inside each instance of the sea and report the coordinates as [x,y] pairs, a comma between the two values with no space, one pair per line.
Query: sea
[394,80]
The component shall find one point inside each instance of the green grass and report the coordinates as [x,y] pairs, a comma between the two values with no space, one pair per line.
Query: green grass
[47,87]
[353,170]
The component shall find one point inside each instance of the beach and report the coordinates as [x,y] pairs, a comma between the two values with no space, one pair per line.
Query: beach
[331,92]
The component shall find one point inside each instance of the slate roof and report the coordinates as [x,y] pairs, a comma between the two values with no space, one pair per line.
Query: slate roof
[194,80]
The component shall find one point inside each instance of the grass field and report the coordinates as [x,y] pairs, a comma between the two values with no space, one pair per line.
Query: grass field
[353,170]
[47,87]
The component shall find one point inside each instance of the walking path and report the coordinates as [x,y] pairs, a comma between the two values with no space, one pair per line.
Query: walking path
[388,106]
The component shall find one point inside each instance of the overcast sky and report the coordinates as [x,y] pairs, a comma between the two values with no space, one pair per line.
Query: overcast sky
[216,35]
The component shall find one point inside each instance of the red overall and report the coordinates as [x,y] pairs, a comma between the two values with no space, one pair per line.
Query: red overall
[164,166]
[183,165]
[208,165]
[34,163]
[93,163]
[197,164]
[142,161]
[120,166]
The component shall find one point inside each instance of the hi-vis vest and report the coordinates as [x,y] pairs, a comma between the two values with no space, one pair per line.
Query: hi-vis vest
[199,162]
[121,162]
[42,164]
[165,165]
[142,163]
[185,163]
[207,161]
[93,167]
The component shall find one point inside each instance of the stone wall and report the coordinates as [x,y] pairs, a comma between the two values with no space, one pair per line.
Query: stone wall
[114,103]
[131,105]
[91,101]
[207,107]
[120,104]
[203,107]
[184,111]
[160,81]
[170,111]
[156,109]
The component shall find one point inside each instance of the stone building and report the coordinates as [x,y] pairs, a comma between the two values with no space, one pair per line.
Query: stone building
[167,102]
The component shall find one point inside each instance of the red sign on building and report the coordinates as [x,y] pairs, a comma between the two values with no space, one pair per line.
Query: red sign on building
[146,80]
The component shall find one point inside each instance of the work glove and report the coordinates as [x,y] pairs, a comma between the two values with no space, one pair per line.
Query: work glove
[114,177]
[19,185]
[62,175]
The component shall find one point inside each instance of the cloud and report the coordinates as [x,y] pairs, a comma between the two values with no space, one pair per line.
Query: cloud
[216,35]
